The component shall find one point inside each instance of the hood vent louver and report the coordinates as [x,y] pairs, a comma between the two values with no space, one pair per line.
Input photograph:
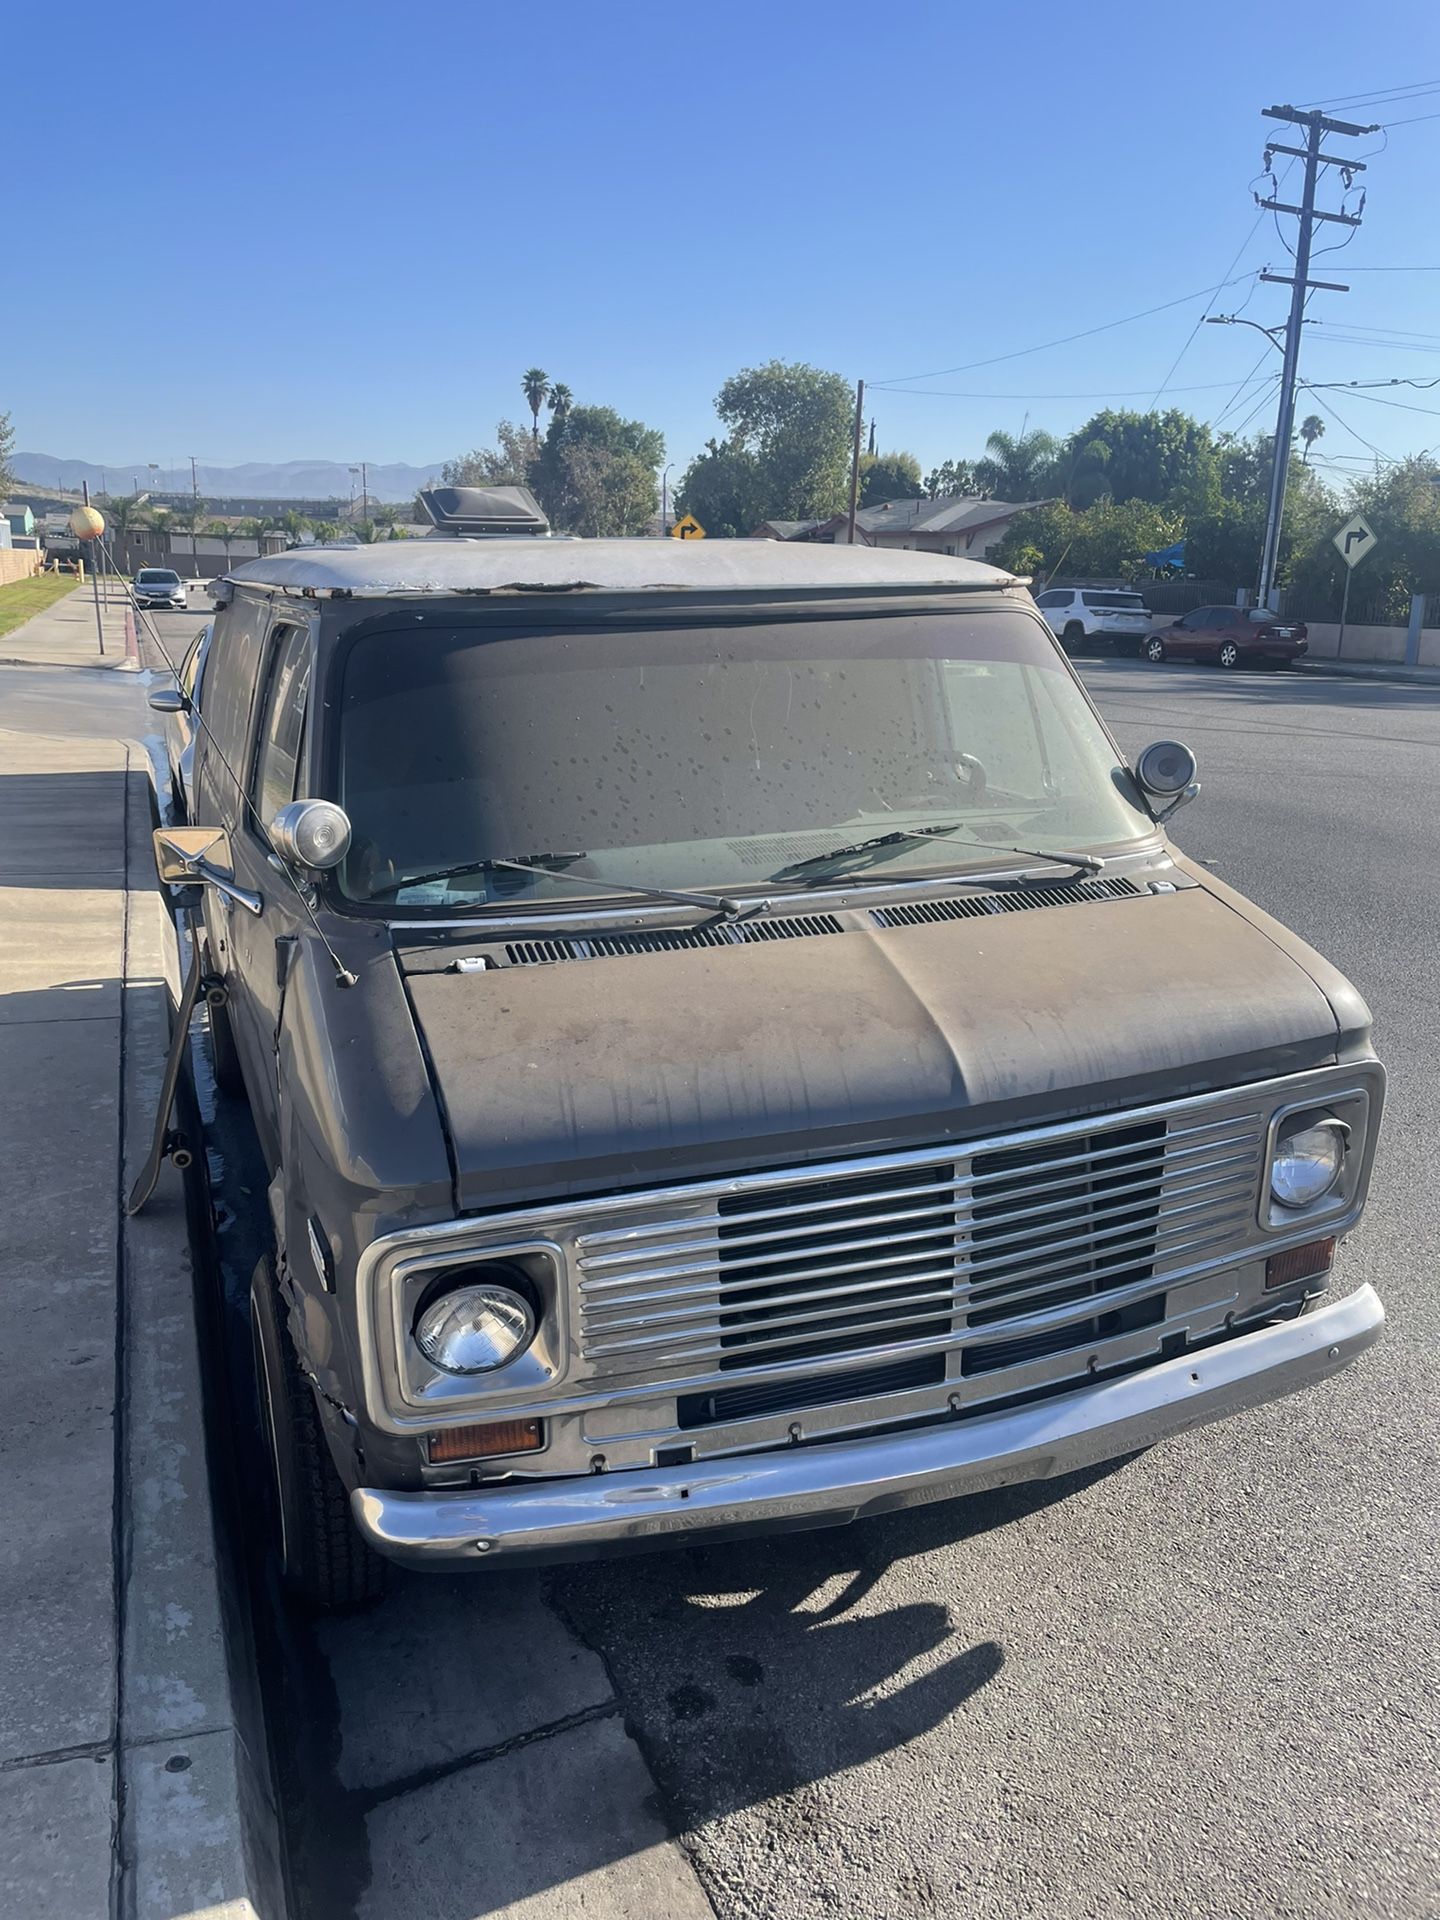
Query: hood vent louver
[1065,893]
[606,946]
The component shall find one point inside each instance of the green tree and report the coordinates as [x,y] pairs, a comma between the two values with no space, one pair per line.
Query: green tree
[1107,541]
[535,384]
[1402,504]
[1138,456]
[954,478]
[1312,428]
[889,476]
[123,512]
[220,530]
[724,488]
[7,449]
[593,451]
[324,530]
[561,400]
[509,463]
[1019,466]
[294,525]
[796,421]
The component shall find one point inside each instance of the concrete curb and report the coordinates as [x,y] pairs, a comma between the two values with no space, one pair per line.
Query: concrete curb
[198,1826]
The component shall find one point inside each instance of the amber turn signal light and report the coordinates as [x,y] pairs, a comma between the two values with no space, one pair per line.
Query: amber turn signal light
[480,1442]
[1299,1263]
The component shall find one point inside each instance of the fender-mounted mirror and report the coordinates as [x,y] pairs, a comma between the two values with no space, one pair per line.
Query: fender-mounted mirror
[1166,772]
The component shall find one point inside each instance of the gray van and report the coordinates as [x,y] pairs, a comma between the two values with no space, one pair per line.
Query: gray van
[734,1047]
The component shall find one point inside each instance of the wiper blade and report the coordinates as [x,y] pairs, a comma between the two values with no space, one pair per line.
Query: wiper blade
[899,836]
[533,863]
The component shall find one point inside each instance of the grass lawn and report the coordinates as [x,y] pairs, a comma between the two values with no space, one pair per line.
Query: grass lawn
[24,597]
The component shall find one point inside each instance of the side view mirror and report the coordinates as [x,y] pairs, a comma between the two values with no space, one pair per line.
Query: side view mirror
[311,833]
[168,700]
[200,856]
[1166,772]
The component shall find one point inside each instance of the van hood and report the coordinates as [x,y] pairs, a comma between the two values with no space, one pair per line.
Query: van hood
[638,1070]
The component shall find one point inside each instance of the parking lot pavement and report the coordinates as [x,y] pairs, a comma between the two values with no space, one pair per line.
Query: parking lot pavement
[1202,1681]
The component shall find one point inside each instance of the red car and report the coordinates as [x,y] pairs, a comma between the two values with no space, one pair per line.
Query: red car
[1230,637]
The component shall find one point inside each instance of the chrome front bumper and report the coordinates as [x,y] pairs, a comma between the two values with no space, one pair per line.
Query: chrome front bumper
[820,1485]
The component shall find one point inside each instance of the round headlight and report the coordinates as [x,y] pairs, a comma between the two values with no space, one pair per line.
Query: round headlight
[1307,1163]
[475,1329]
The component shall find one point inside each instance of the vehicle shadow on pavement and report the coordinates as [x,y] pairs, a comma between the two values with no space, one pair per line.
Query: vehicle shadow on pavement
[752,1670]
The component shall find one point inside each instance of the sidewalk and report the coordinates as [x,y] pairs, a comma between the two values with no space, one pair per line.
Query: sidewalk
[125,1784]
[64,635]
[1376,670]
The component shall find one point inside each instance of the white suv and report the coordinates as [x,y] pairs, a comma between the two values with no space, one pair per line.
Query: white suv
[1096,613]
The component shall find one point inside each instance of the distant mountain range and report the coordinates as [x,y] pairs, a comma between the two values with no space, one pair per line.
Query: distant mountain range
[294,480]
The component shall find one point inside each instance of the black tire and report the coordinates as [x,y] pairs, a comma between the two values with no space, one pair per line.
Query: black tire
[1155,649]
[1229,655]
[324,1562]
[224,1055]
[1073,638]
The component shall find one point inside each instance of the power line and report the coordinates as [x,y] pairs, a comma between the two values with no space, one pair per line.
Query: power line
[1413,121]
[1107,393]
[1412,87]
[1086,333]
[1210,303]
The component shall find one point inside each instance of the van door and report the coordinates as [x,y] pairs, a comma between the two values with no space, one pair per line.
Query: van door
[262,946]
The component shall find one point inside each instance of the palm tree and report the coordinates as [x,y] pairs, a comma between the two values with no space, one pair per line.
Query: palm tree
[535,384]
[294,524]
[1311,429]
[1018,467]
[561,401]
[326,530]
[220,530]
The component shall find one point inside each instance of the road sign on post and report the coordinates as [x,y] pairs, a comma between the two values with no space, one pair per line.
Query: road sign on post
[687,527]
[1355,539]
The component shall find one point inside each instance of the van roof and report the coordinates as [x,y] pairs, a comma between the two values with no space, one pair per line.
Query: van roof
[445,565]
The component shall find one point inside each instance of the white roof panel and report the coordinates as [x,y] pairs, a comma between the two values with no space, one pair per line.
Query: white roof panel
[444,565]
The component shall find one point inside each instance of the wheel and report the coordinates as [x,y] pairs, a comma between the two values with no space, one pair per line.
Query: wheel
[224,1054]
[1155,648]
[1229,655]
[1073,638]
[324,1562]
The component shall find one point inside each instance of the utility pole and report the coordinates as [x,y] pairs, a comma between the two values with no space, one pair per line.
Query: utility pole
[871,448]
[855,456]
[1316,126]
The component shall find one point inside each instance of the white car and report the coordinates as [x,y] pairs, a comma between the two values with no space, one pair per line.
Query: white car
[1078,614]
[159,587]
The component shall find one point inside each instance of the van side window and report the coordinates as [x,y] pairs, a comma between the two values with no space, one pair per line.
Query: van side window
[284,726]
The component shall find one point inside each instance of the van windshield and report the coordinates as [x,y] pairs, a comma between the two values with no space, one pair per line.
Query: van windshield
[712,756]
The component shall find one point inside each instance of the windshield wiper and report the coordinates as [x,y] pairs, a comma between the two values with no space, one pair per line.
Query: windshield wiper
[532,863]
[1082,862]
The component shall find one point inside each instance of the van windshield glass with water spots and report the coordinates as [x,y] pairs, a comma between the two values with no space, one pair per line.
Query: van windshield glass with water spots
[708,757]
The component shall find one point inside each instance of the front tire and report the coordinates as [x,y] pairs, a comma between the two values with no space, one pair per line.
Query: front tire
[324,1562]
[1229,655]
[1155,649]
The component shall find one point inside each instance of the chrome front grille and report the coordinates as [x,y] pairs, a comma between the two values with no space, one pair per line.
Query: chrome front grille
[999,1256]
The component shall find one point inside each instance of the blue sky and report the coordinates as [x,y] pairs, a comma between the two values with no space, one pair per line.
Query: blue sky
[338,232]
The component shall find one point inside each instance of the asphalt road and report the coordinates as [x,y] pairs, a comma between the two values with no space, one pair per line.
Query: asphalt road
[1204,1681]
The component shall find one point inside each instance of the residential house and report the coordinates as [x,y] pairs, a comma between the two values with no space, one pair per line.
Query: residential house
[956,523]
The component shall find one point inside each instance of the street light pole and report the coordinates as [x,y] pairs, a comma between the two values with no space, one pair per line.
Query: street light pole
[664,501]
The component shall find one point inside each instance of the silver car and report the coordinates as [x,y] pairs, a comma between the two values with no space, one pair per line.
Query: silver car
[160,587]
